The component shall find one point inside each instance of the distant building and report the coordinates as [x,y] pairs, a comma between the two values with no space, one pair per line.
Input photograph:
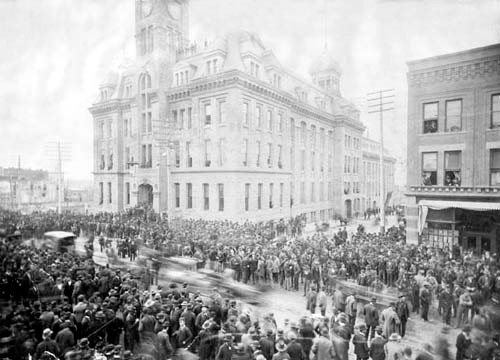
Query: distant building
[221,130]
[454,150]
[24,188]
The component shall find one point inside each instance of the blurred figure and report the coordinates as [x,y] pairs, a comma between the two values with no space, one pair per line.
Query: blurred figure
[463,343]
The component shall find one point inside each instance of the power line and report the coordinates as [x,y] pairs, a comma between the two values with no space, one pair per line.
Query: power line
[379,103]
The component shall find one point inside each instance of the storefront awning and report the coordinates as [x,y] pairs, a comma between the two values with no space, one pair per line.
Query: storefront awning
[425,205]
[467,205]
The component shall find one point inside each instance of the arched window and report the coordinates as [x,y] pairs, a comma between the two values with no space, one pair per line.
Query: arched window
[145,103]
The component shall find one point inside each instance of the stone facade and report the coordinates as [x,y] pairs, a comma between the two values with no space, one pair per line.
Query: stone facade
[452,135]
[220,130]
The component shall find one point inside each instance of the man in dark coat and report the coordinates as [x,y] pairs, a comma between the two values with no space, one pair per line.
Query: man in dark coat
[463,342]
[360,344]
[266,343]
[377,351]
[47,345]
[226,350]
[371,317]
[294,348]
[425,301]
[403,313]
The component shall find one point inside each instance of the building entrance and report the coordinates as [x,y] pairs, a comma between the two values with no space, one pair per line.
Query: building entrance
[145,195]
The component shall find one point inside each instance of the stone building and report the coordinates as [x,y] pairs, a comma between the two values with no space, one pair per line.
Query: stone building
[454,150]
[221,130]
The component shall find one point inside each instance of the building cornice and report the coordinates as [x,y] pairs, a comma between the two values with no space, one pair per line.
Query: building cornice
[487,67]
[245,81]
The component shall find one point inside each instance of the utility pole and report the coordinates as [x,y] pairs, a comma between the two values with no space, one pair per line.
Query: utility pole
[379,102]
[59,152]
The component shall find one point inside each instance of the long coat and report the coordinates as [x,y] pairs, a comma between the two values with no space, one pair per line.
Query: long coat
[391,322]
[323,349]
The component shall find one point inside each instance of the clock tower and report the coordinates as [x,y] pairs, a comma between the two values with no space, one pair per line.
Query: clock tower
[161,26]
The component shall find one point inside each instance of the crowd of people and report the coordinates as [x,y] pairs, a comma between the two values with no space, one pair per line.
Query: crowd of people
[94,312]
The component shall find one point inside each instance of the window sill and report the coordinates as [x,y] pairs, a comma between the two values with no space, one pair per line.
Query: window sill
[443,133]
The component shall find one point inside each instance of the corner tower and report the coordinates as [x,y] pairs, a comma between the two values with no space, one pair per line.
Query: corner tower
[161,26]
[325,72]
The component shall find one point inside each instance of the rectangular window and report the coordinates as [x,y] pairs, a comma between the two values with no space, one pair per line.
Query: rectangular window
[271,190]
[101,193]
[189,159]
[144,156]
[125,127]
[206,197]
[313,192]
[258,115]
[269,155]
[302,192]
[495,167]
[313,160]
[207,153]
[280,123]
[222,112]
[259,197]
[150,123]
[189,195]
[190,118]
[127,193]
[110,193]
[495,111]
[452,167]
[430,118]
[454,115]
[258,153]
[245,114]
[247,197]
[208,114]
[282,187]
[429,168]
[208,66]
[177,152]
[269,120]
[143,123]
[177,188]
[221,196]
[222,152]
[175,118]
[127,158]
[245,152]
[149,163]
[302,160]
[181,118]
[292,193]
[280,150]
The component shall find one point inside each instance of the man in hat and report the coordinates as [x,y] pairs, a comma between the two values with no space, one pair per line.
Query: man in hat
[463,342]
[282,353]
[390,320]
[341,333]
[393,348]
[294,348]
[464,307]
[425,301]
[165,348]
[360,343]
[266,343]
[65,338]
[371,317]
[403,313]
[446,302]
[351,308]
[47,344]
[226,350]
[190,319]
[311,299]
[377,346]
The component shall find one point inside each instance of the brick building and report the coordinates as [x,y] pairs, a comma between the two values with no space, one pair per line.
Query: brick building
[454,149]
[221,130]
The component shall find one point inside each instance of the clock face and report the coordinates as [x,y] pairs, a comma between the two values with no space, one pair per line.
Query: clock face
[146,7]
[174,9]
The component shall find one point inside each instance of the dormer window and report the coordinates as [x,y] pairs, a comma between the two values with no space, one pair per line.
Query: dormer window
[277,80]
[254,69]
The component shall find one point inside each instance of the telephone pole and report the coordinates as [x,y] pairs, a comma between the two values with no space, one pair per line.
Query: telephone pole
[380,102]
[59,152]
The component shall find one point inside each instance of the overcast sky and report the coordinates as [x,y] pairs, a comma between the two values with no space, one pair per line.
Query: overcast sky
[54,54]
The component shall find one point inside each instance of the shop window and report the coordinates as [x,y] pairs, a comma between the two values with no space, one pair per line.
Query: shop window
[454,115]
[452,168]
[495,167]
[495,111]
[430,118]
[429,168]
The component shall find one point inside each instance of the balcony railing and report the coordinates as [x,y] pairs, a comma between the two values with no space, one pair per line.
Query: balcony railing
[458,190]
